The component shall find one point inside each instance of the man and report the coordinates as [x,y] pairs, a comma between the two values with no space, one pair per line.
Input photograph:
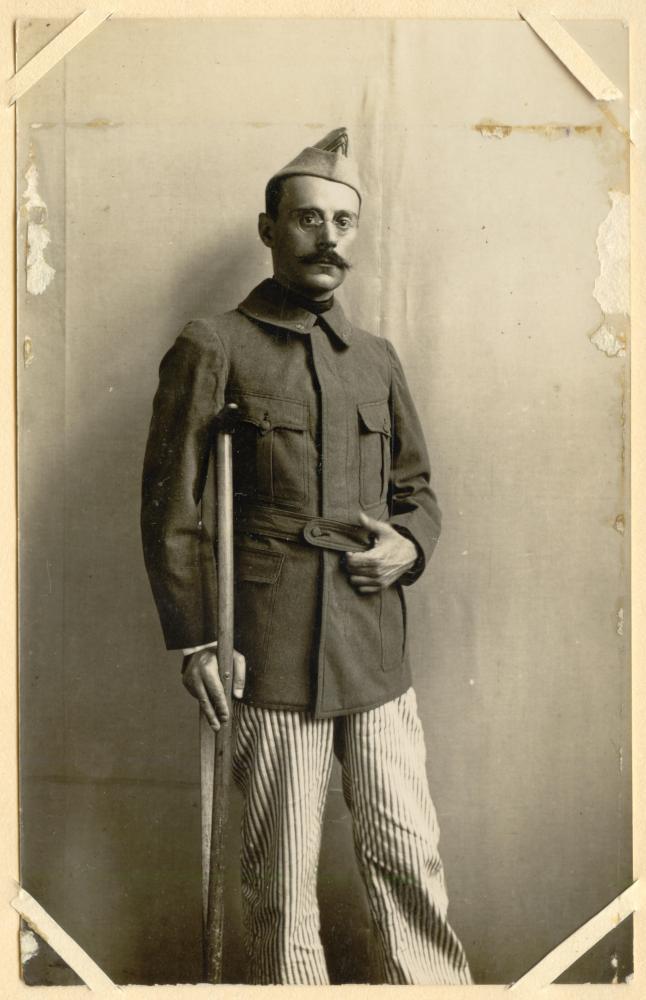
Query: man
[333,516]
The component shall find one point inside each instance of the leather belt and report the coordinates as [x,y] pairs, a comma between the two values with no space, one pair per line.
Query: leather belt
[322,532]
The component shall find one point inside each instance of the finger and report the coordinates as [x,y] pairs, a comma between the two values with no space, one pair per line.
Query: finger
[191,680]
[206,706]
[372,571]
[364,581]
[215,691]
[372,589]
[379,527]
[239,673]
[361,560]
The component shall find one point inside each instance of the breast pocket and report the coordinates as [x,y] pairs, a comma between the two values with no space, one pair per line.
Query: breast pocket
[274,435]
[374,452]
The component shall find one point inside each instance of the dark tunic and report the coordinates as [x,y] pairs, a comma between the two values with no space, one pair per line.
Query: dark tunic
[328,428]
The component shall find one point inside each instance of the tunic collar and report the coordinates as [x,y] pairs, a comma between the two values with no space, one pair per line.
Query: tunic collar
[269,303]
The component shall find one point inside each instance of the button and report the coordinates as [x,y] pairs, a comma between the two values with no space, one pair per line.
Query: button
[315,531]
[265,425]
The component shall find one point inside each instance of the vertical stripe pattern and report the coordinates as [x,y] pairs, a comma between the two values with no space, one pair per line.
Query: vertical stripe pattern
[282,762]
[396,837]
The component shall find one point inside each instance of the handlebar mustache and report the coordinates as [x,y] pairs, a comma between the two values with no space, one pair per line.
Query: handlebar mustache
[326,257]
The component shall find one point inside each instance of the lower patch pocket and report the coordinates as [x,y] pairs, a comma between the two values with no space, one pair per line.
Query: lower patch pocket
[393,627]
[257,575]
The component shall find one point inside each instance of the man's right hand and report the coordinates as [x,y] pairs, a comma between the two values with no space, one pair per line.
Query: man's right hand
[201,677]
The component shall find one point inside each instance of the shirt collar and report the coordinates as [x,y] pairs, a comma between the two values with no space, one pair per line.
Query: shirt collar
[268,303]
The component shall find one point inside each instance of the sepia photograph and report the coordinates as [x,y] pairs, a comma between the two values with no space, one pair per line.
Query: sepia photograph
[323,366]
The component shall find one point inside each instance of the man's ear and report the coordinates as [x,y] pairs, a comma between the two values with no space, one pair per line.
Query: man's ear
[266,229]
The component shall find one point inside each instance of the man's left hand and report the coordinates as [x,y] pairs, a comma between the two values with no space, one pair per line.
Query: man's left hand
[383,564]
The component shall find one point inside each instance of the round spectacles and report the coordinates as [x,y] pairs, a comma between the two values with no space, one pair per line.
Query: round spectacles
[310,219]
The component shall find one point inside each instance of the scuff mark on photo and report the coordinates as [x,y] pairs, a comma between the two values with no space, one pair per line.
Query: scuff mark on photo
[611,342]
[614,962]
[28,945]
[612,285]
[40,272]
[95,123]
[31,194]
[102,123]
[620,621]
[550,130]
[27,352]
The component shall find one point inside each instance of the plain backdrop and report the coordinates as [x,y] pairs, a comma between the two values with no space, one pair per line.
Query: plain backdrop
[153,141]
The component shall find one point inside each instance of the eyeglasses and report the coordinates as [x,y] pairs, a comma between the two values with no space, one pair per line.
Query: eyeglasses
[310,219]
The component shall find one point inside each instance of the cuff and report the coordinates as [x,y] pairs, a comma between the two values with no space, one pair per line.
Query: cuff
[418,566]
[189,650]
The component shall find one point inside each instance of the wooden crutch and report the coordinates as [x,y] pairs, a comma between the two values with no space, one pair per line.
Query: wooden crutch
[216,747]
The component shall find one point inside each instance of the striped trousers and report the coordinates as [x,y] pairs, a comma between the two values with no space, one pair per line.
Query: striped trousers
[282,762]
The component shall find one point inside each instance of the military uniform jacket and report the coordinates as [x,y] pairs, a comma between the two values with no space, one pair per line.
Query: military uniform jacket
[327,429]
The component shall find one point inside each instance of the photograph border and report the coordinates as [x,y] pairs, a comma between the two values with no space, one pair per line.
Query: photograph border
[633,15]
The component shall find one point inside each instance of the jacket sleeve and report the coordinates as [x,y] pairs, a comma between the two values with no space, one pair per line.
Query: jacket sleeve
[414,510]
[178,550]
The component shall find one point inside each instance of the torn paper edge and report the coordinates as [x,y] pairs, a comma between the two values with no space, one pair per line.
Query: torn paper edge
[570,53]
[53,52]
[40,272]
[577,944]
[65,946]
[612,285]
[28,945]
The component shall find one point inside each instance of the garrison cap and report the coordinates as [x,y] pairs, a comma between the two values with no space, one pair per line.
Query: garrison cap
[328,159]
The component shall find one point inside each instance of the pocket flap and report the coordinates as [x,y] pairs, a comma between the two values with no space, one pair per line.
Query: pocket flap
[268,412]
[255,566]
[375,416]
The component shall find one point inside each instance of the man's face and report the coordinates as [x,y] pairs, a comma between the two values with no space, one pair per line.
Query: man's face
[311,238]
